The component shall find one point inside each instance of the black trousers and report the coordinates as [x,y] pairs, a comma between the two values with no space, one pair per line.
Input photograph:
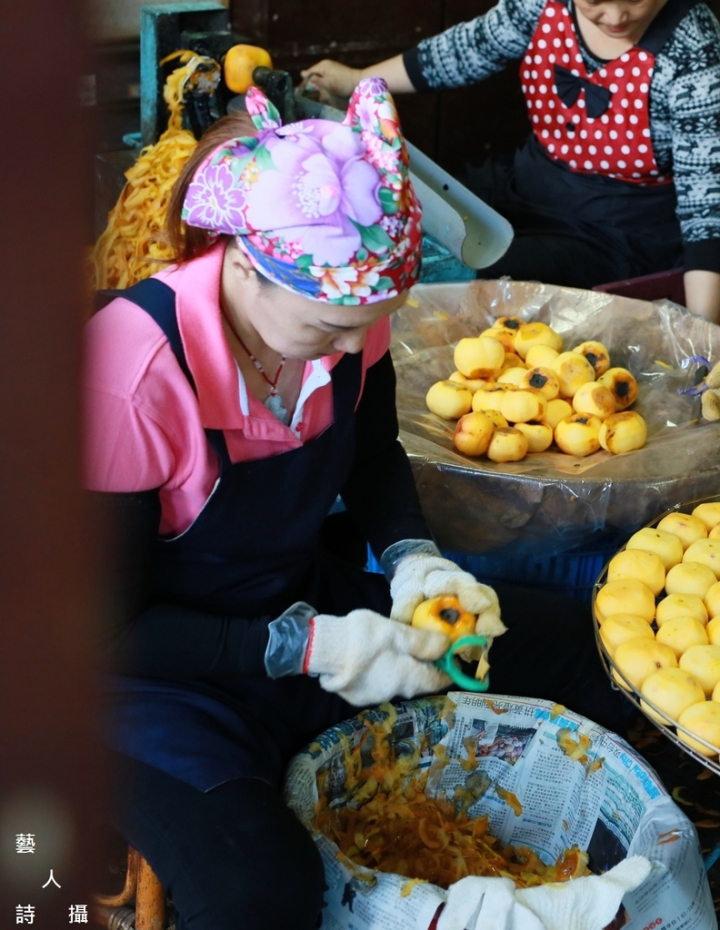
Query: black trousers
[236,858]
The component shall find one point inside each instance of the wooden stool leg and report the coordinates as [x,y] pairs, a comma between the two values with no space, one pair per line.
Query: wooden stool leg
[149,899]
[128,892]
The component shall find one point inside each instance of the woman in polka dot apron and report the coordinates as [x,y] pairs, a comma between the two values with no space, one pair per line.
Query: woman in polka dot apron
[620,176]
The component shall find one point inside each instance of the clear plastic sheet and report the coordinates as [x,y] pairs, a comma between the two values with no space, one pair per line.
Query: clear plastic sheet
[551,502]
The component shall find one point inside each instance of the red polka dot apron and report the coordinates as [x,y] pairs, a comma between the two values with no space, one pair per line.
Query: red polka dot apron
[587,199]
[594,122]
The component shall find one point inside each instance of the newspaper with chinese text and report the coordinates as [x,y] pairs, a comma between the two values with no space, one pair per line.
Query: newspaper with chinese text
[572,783]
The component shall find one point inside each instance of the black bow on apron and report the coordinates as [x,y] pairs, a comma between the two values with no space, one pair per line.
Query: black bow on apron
[569,85]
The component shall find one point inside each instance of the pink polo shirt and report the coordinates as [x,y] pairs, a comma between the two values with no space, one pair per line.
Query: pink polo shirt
[144,423]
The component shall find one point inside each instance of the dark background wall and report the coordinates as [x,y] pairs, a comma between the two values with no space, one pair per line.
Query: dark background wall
[451,127]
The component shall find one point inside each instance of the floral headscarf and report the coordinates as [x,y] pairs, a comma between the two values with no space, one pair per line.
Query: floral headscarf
[321,208]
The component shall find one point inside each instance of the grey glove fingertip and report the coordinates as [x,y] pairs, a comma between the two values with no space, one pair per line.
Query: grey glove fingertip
[477,597]
[490,625]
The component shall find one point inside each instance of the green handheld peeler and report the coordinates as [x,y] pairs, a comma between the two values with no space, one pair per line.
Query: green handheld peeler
[449,664]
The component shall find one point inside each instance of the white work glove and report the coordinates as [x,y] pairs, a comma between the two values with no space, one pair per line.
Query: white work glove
[476,903]
[419,576]
[367,659]
[587,903]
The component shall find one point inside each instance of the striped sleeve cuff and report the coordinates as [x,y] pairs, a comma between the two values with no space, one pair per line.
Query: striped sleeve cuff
[411,60]
[702,256]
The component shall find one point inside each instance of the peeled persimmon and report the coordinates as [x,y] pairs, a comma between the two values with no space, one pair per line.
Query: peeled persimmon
[446,615]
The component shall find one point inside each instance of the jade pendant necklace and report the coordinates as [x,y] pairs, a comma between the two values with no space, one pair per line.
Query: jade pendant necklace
[273,401]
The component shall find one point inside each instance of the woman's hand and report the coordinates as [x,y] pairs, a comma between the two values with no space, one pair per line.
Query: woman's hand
[367,658]
[332,79]
[420,577]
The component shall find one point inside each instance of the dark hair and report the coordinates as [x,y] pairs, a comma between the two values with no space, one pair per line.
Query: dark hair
[189,242]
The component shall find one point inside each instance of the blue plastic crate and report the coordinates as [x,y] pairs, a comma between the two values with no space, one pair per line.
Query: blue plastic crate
[572,573]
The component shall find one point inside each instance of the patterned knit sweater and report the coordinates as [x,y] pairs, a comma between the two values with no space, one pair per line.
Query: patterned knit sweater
[684,100]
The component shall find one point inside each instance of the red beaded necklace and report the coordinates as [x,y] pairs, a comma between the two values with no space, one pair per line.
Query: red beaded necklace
[273,401]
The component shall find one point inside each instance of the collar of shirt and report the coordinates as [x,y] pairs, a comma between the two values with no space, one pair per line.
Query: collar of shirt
[315,376]
[223,398]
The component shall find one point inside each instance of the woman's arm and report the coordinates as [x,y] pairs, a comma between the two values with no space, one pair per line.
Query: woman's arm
[142,637]
[693,107]
[463,54]
[702,293]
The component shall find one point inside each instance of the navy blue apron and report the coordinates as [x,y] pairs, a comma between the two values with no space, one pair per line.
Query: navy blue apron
[581,230]
[251,552]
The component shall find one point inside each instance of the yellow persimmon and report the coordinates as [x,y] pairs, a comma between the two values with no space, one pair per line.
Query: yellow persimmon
[239,64]
[446,615]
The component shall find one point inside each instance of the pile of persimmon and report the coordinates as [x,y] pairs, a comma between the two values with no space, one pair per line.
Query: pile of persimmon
[516,390]
[659,617]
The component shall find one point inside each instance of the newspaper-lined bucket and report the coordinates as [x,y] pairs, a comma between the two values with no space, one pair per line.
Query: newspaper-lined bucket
[608,802]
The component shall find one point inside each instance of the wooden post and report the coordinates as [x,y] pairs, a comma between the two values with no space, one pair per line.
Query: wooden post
[48,573]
